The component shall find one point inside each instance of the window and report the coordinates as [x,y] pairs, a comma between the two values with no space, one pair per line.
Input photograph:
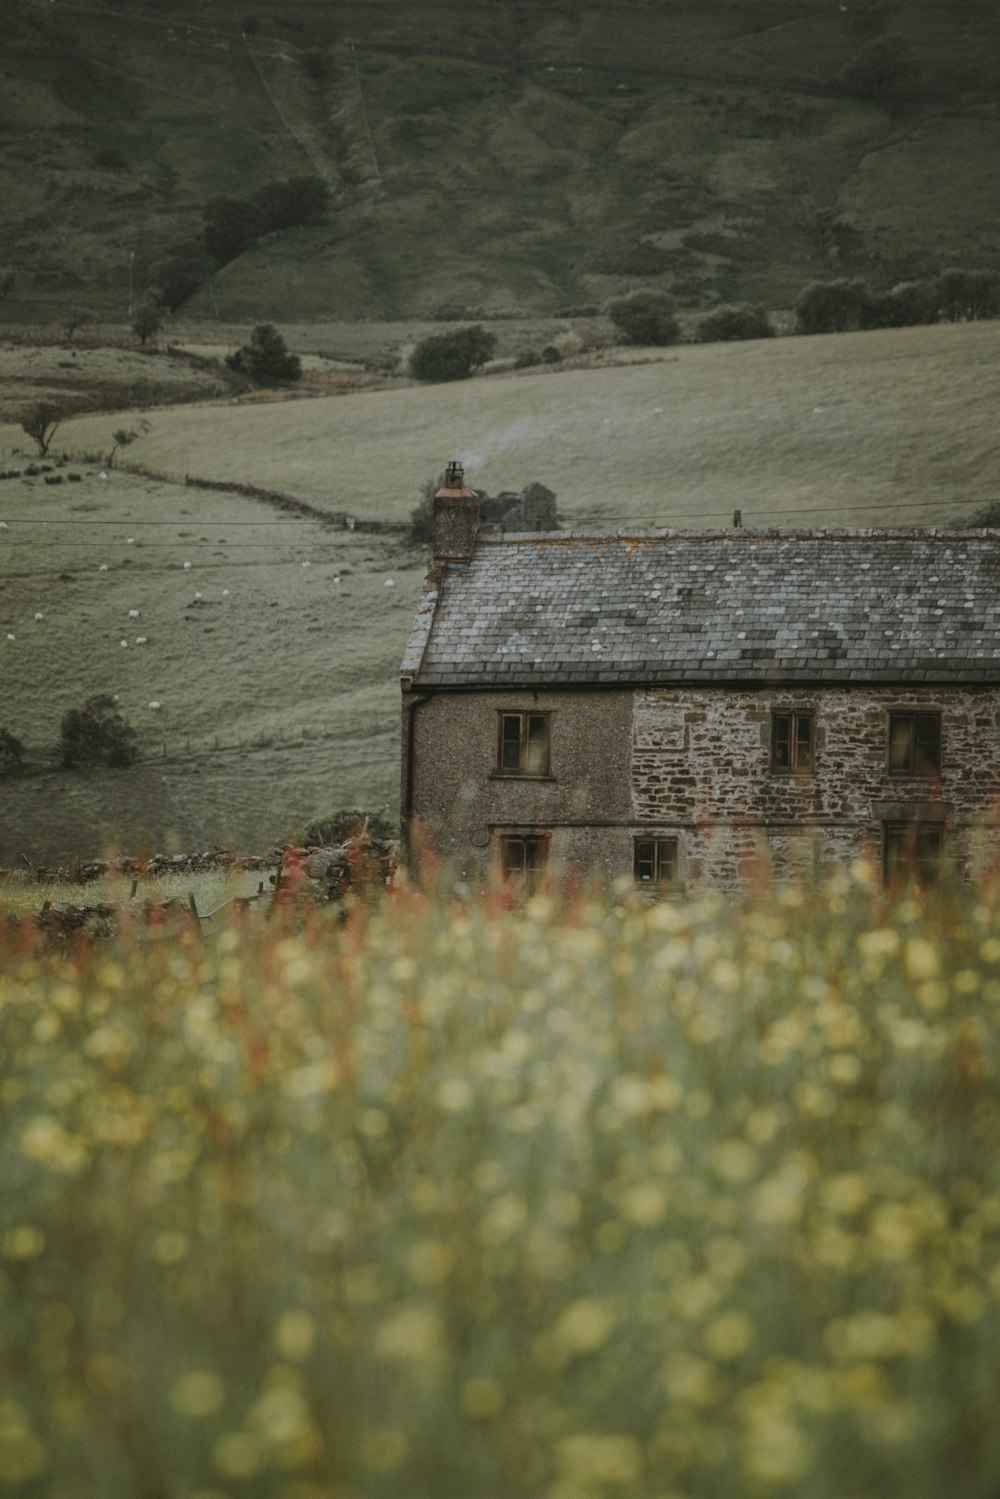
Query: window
[912,851]
[792,742]
[523,744]
[655,861]
[523,859]
[914,744]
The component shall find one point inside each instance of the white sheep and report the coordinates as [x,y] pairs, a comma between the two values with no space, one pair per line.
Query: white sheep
[39,615]
[154,704]
[133,614]
[187,567]
[103,567]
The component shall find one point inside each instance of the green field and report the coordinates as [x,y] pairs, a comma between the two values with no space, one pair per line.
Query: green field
[279,700]
[867,428]
[447,1200]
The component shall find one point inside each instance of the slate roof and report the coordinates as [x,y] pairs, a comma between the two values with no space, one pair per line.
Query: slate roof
[739,606]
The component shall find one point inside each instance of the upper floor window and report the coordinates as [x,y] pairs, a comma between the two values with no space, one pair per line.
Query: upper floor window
[523,744]
[792,742]
[655,861]
[523,859]
[914,744]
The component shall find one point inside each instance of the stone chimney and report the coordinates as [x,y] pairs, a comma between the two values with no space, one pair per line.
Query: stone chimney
[456,518]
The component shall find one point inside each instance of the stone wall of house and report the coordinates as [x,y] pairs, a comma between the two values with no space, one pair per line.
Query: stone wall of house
[701,769]
[696,764]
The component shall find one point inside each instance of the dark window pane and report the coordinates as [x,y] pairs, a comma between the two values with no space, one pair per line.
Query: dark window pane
[928,743]
[781,730]
[803,741]
[645,859]
[901,741]
[512,851]
[666,860]
[537,754]
[510,741]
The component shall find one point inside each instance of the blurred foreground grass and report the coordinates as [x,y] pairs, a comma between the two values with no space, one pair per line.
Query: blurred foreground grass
[451,1201]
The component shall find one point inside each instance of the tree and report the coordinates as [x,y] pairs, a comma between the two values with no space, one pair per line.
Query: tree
[831,306]
[11,754]
[182,271]
[265,359]
[880,69]
[41,421]
[123,437]
[969,296]
[911,304]
[96,734]
[232,225]
[727,324]
[422,515]
[148,315]
[78,317]
[453,356]
[645,317]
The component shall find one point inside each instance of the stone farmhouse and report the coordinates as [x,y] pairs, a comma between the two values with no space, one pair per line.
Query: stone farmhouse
[688,707]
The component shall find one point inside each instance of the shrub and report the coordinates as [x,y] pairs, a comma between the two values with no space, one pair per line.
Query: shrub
[265,359]
[831,306]
[645,317]
[738,321]
[336,827]
[551,355]
[452,356]
[526,359]
[568,343]
[911,304]
[96,734]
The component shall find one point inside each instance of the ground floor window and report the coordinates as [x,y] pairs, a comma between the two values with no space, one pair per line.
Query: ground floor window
[912,851]
[523,859]
[655,861]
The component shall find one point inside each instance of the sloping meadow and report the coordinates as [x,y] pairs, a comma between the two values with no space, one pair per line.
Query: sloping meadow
[450,1199]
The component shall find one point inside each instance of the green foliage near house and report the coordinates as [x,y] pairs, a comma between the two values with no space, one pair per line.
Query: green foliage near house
[452,356]
[645,316]
[97,734]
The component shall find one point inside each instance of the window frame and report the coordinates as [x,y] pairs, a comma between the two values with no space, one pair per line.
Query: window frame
[796,717]
[522,770]
[908,864]
[666,848]
[913,768]
[529,876]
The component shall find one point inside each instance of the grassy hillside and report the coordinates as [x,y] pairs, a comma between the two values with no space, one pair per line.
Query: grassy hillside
[509,156]
[848,429]
[277,687]
[279,699]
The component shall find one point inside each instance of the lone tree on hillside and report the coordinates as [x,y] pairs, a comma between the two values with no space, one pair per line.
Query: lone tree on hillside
[148,315]
[265,359]
[41,421]
[453,356]
[124,437]
[646,317]
[78,317]
[96,734]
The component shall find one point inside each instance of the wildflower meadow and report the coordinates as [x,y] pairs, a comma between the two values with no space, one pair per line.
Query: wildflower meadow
[439,1199]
